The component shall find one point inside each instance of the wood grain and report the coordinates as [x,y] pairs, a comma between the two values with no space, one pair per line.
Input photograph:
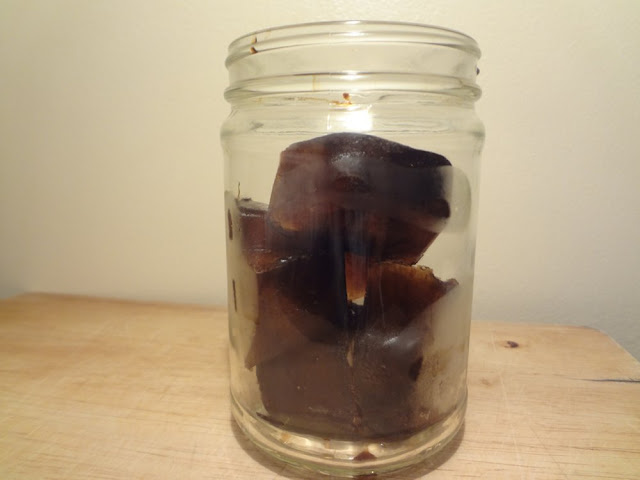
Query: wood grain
[101,389]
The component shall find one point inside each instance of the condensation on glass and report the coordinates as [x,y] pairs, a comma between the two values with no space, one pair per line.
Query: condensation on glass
[351,167]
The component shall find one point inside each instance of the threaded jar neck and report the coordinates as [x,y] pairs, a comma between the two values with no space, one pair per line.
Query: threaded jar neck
[360,55]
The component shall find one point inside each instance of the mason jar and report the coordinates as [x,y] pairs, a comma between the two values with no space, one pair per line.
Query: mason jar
[351,169]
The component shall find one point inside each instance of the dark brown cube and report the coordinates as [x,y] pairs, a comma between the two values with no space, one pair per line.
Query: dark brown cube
[389,353]
[384,199]
[310,389]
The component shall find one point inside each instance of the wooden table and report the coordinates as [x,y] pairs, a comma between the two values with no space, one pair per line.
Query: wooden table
[99,389]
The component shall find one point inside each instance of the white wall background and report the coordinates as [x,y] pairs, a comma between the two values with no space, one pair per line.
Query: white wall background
[111,174]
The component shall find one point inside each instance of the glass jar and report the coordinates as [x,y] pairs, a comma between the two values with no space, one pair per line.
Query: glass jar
[351,166]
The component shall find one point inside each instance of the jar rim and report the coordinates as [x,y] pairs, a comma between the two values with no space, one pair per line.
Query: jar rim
[348,30]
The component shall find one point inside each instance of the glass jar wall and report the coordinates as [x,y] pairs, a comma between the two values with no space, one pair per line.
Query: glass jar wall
[351,165]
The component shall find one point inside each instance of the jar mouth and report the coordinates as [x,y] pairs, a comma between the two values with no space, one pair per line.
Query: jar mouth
[348,31]
[354,54]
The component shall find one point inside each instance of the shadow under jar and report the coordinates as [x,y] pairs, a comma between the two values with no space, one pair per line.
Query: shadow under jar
[351,165]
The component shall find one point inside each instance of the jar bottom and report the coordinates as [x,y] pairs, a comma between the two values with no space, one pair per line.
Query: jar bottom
[345,458]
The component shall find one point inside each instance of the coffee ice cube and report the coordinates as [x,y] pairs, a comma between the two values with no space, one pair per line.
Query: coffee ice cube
[380,195]
[406,291]
[389,353]
[310,390]
[284,325]
[300,300]
[262,244]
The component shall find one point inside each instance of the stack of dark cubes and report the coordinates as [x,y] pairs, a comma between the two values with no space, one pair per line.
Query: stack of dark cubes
[343,315]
